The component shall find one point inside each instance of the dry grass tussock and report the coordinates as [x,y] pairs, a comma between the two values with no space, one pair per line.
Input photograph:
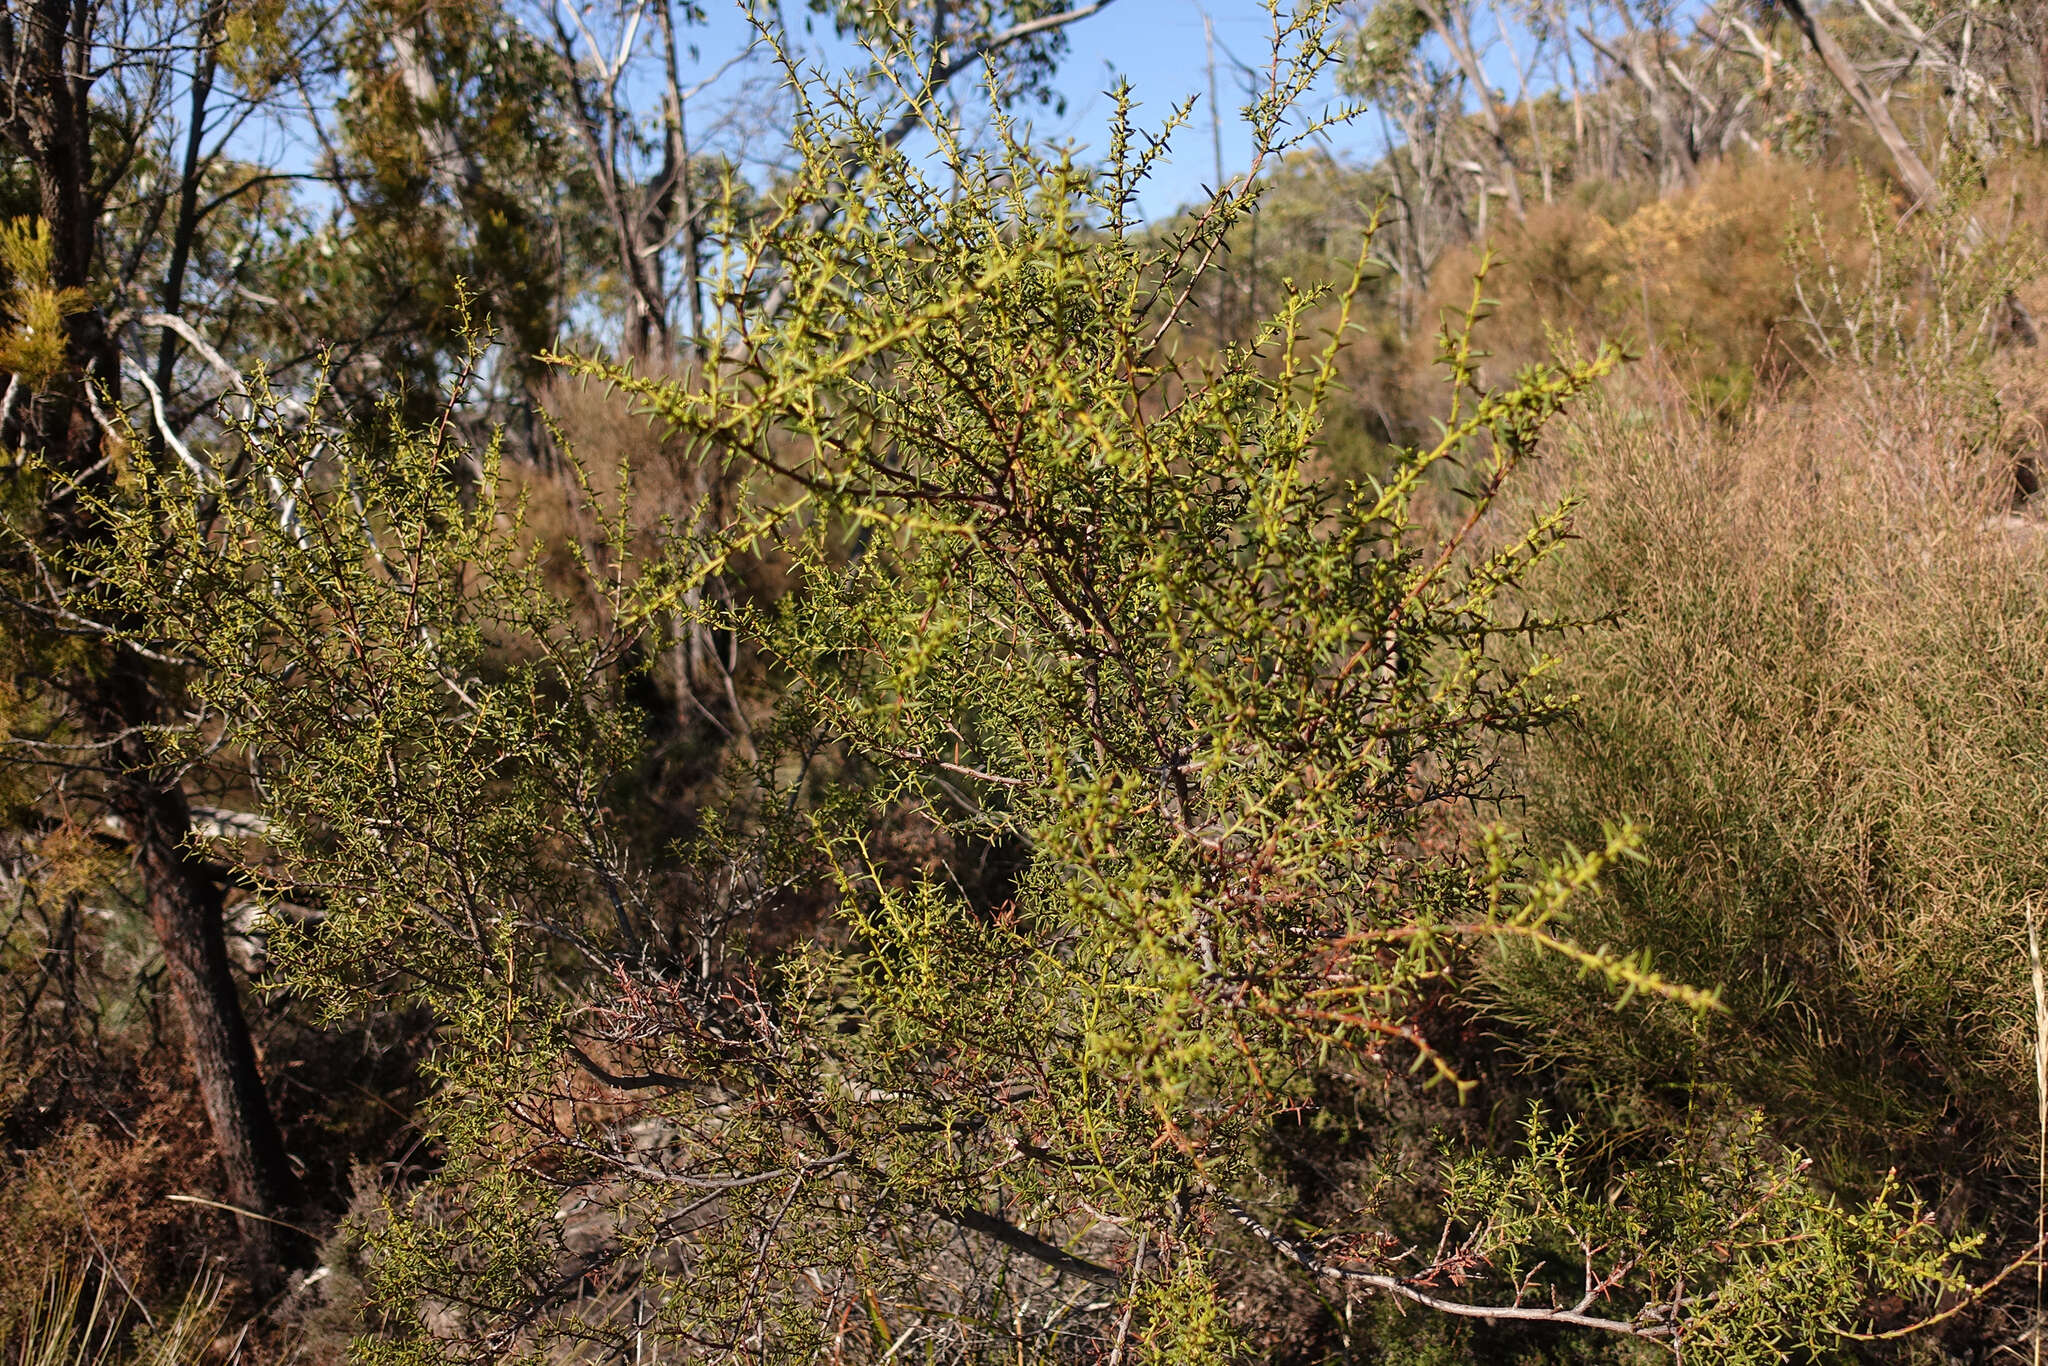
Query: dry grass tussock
[78,1317]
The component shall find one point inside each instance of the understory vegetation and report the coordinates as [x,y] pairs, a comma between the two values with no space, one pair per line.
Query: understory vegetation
[621,748]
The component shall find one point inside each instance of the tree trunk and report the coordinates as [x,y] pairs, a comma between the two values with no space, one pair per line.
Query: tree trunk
[184,904]
[187,225]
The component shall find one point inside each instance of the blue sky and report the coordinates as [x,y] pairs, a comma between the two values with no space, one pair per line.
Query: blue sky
[1158,45]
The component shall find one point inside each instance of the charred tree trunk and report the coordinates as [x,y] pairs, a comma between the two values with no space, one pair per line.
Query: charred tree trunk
[184,904]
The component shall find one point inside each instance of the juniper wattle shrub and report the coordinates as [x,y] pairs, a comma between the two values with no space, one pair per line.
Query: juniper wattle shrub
[1085,810]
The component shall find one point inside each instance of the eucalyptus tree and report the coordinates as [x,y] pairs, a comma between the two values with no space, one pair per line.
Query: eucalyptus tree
[629,107]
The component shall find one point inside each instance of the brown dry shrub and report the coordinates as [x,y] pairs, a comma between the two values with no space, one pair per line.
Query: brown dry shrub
[100,1190]
[1824,692]
[1698,281]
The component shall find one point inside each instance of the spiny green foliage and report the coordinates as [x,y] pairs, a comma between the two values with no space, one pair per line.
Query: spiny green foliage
[1727,1215]
[1057,602]
[384,593]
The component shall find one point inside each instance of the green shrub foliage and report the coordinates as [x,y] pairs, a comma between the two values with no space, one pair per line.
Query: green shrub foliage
[1084,813]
